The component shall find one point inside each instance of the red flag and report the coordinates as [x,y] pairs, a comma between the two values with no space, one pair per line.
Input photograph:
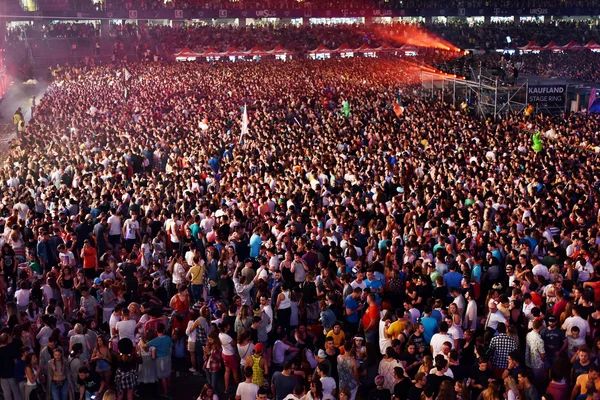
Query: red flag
[398,110]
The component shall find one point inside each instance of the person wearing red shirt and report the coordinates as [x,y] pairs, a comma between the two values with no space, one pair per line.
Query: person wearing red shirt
[594,285]
[560,305]
[90,259]
[370,320]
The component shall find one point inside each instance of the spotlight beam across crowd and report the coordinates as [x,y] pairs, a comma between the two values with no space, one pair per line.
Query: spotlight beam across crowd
[420,37]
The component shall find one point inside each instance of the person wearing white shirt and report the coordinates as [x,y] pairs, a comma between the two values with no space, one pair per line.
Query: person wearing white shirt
[413,312]
[265,305]
[247,390]
[242,286]
[459,299]
[22,296]
[470,321]
[585,269]
[115,317]
[528,306]
[438,340]
[541,269]
[114,229]
[126,327]
[576,320]
[495,316]
[448,372]
[178,273]
[454,328]
[328,382]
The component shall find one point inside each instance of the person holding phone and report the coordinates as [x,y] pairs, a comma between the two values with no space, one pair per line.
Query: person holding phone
[91,384]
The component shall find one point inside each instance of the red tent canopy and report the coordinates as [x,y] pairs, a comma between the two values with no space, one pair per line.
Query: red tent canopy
[210,52]
[279,50]
[187,53]
[344,48]
[320,50]
[257,51]
[234,52]
[592,45]
[552,46]
[408,47]
[386,48]
[364,49]
[531,46]
[573,45]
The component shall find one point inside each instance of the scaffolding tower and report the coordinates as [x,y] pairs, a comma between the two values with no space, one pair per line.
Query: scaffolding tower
[486,95]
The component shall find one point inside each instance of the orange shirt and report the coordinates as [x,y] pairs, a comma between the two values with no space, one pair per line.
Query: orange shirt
[89,258]
[582,381]
[372,313]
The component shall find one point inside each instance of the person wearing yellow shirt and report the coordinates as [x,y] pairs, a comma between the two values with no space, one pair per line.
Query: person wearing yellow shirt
[18,120]
[195,276]
[337,334]
[581,385]
[397,326]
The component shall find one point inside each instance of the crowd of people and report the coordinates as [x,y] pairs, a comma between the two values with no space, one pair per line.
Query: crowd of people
[487,36]
[320,4]
[298,230]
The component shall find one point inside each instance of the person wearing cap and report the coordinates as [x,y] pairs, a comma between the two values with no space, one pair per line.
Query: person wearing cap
[380,392]
[554,340]
[258,365]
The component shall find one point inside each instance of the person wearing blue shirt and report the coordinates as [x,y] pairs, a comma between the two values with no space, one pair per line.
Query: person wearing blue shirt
[437,315]
[476,273]
[163,345]
[214,164]
[452,279]
[375,285]
[352,309]
[255,242]
[430,324]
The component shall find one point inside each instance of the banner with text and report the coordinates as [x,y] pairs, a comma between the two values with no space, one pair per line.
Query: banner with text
[549,95]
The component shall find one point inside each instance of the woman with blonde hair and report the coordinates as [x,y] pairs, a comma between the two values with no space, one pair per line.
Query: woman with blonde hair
[490,393]
[109,395]
[511,388]
[427,365]
[244,320]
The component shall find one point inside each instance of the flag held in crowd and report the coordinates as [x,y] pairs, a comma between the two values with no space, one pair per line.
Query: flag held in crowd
[244,122]
[398,110]
[346,108]
[537,142]
[203,124]
[529,110]
[126,74]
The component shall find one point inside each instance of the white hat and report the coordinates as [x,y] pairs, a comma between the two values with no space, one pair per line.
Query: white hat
[219,213]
